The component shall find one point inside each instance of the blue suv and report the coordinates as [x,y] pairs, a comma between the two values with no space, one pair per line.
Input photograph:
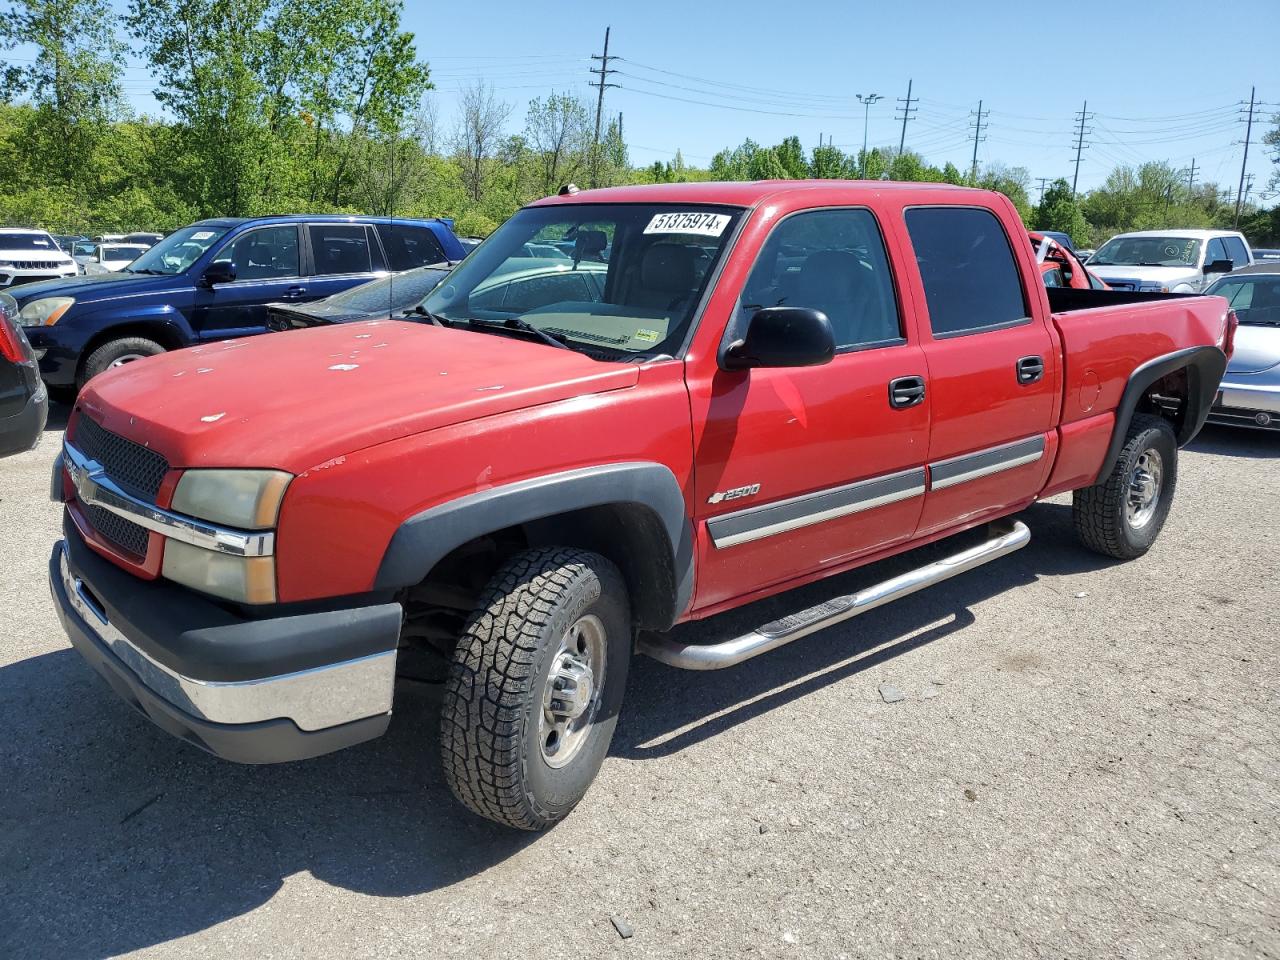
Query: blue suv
[210,281]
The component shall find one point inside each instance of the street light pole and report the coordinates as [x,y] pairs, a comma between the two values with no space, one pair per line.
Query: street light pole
[866,102]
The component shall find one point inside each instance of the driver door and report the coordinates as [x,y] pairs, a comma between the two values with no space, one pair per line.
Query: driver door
[803,469]
[268,268]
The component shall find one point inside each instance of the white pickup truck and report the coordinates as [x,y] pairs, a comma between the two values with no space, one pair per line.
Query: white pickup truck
[1169,261]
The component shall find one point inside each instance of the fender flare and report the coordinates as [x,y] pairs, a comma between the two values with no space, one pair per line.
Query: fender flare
[1205,367]
[425,538]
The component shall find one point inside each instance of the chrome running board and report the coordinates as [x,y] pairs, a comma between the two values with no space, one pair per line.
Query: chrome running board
[1005,538]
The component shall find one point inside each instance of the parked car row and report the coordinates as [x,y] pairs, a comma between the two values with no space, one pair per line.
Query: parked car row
[210,281]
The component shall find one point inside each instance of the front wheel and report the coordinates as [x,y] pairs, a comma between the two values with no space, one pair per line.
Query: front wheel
[535,687]
[1122,515]
[117,353]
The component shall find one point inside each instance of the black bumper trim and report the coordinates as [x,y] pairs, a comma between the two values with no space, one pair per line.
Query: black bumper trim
[22,431]
[269,741]
[196,637]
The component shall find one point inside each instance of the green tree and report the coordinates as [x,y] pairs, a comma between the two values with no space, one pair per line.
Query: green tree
[558,132]
[1059,211]
[73,81]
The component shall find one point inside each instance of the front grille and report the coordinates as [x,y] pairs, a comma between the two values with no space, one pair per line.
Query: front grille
[37,264]
[133,466]
[124,535]
[1239,417]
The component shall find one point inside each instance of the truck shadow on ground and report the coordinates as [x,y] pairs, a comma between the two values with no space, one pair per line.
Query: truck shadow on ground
[117,837]
[1237,442]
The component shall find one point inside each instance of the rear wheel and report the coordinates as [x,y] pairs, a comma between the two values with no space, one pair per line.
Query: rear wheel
[117,353]
[1123,514]
[535,686]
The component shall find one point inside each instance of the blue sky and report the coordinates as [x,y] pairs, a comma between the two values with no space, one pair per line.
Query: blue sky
[1164,80]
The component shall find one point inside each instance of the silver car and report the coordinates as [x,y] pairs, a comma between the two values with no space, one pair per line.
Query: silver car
[1250,393]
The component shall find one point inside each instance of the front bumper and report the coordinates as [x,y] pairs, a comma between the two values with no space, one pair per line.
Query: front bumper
[248,690]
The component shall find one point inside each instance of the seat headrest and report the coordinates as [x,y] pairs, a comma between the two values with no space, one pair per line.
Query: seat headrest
[668,267]
[589,243]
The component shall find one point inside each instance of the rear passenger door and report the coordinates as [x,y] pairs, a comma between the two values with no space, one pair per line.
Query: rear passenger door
[343,255]
[805,469]
[993,369]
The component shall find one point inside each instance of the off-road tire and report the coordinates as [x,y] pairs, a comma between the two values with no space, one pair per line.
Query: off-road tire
[104,356]
[493,702]
[1100,514]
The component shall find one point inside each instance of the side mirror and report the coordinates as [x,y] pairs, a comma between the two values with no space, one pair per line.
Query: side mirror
[783,337]
[1219,266]
[220,271]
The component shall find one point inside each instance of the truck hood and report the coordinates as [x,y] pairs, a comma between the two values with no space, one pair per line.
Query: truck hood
[1257,349]
[300,399]
[1165,276]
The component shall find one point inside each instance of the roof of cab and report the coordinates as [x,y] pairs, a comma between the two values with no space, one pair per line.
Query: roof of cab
[743,193]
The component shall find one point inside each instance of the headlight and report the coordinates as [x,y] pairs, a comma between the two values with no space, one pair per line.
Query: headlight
[246,499]
[243,499]
[242,579]
[46,311]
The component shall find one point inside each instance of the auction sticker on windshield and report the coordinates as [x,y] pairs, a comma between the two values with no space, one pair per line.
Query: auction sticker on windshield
[702,224]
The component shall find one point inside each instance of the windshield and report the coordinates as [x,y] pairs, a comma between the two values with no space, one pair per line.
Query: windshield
[390,294]
[1147,252]
[610,280]
[28,241]
[1256,300]
[123,253]
[178,251]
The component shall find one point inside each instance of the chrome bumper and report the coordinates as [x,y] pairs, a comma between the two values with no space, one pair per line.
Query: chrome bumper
[1245,396]
[313,699]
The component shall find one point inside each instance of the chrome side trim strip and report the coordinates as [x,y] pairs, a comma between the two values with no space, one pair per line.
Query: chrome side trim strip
[768,519]
[93,486]
[1005,537]
[313,699]
[983,463]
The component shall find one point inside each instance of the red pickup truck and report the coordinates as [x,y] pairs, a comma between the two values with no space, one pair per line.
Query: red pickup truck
[723,391]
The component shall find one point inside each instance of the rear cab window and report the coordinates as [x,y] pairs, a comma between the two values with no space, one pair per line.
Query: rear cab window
[409,246]
[971,280]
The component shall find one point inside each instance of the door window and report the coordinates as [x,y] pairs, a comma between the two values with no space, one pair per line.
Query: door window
[833,261]
[268,253]
[1236,251]
[410,246]
[1216,250]
[971,281]
[339,248]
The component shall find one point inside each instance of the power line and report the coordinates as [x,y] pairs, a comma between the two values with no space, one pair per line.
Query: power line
[908,111]
[1081,133]
[979,119]
[601,73]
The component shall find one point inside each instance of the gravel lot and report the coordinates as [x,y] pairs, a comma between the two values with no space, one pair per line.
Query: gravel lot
[1086,763]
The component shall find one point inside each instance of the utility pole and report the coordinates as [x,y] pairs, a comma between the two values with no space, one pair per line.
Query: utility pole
[866,102]
[908,111]
[978,120]
[1191,176]
[1248,187]
[1248,135]
[602,73]
[1081,133]
[1043,181]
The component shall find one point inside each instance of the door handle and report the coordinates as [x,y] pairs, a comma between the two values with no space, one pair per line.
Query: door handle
[906,392]
[293,293]
[1030,369]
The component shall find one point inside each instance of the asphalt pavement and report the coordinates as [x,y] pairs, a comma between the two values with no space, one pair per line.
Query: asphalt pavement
[1053,756]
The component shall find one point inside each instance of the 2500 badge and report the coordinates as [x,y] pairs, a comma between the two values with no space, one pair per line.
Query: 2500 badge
[737,493]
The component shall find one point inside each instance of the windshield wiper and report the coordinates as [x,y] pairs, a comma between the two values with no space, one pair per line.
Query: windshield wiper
[421,311]
[148,271]
[524,326]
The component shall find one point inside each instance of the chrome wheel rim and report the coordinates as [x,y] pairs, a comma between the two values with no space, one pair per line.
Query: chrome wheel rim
[571,691]
[1143,493]
[127,358]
